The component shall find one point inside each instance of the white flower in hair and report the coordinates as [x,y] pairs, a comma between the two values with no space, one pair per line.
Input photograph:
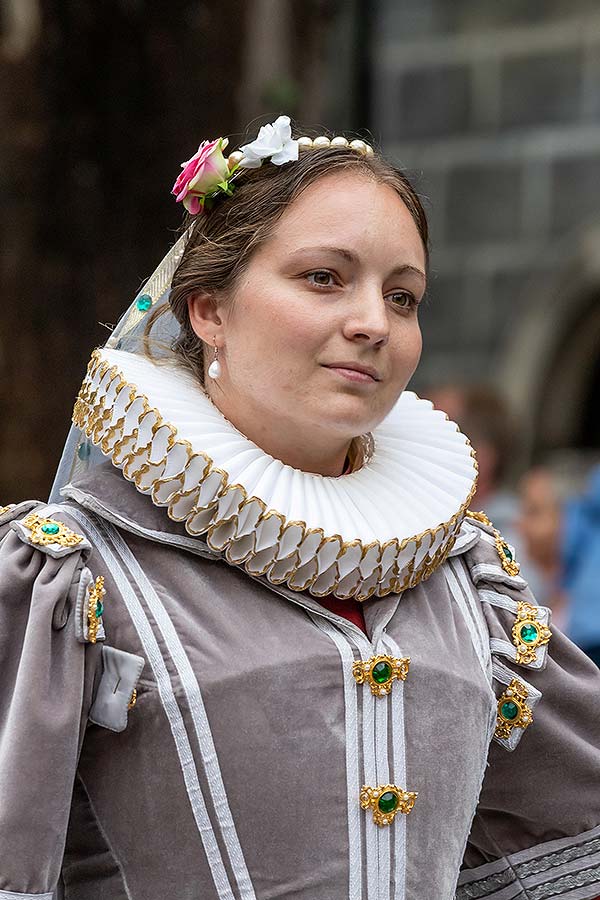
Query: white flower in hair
[274,141]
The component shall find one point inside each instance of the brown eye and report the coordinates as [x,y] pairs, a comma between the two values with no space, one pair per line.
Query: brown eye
[321,276]
[406,301]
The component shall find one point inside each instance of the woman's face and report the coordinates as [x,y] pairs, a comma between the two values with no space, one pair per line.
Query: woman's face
[540,518]
[322,334]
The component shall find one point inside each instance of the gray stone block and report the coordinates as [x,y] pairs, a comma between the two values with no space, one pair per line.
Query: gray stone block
[575,192]
[442,312]
[412,18]
[483,203]
[424,102]
[541,89]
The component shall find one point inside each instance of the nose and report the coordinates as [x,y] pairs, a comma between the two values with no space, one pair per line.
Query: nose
[368,320]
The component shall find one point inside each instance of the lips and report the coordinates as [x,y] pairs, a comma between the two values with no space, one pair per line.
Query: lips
[356,367]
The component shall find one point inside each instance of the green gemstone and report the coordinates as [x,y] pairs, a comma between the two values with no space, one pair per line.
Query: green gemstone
[388,802]
[144,302]
[507,553]
[50,528]
[509,710]
[99,608]
[381,672]
[83,451]
[529,633]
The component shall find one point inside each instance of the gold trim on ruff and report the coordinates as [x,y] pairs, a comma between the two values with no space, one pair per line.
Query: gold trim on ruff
[198,493]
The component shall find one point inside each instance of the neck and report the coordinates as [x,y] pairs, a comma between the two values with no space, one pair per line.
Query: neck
[319,455]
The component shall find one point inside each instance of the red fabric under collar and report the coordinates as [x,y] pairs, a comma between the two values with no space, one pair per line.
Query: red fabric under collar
[349,609]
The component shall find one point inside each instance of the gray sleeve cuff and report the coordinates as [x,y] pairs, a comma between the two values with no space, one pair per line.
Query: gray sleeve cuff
[567,868]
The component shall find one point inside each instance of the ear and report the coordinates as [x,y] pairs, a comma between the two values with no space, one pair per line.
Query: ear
[204,318]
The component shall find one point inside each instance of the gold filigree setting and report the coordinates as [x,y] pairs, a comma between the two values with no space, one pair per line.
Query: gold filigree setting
[96,594]
[507,559]
[48,531]
[478,516]
[119,419]
[528,633]
[513,711]
[386,801]
[380,671]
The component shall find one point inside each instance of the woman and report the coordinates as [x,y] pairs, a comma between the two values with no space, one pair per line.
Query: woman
[264,650]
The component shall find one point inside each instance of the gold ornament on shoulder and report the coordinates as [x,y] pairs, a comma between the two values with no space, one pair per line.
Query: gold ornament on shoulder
[507,559]
[513,711]
[49,531]
[478,516]
[538,634]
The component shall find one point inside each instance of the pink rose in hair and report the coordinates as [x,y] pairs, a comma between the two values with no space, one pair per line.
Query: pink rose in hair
[203,173]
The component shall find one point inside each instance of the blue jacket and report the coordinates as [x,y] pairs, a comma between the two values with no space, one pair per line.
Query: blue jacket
[581,562]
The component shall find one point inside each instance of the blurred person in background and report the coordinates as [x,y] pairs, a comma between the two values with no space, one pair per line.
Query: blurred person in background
[483,414]
[542,495]
[581,559]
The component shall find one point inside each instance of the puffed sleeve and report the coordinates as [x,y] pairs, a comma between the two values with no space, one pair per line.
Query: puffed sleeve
[536,831]
[48,671]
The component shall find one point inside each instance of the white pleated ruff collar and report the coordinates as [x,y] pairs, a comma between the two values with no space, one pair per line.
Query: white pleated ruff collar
[375,531]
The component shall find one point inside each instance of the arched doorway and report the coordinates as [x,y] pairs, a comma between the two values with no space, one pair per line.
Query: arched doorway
[551,369]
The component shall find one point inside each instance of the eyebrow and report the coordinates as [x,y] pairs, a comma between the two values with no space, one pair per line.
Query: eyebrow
[351,257]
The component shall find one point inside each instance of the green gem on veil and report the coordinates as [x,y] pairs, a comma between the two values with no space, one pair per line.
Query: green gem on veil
[144,302]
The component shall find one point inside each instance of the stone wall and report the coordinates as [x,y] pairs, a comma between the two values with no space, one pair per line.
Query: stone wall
[495,110]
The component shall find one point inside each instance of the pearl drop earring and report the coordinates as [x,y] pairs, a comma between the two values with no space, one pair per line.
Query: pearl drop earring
[214,370]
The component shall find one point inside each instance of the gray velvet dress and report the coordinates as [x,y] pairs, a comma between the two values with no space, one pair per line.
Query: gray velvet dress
[173,727]
[238,771]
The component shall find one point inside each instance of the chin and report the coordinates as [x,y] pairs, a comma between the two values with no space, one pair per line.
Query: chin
[352,416]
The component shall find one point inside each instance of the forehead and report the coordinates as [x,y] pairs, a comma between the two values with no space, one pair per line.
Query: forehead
[352,211]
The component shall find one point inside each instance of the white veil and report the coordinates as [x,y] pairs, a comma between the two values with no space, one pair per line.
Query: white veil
[274,142]
[79,453]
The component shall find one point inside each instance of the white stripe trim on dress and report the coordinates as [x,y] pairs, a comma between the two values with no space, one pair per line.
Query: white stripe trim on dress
[398,763]
[197,709]
[459,567]
[457,594]
[11,895]
[370,778]
[352,762]
[170,706]
[383,777]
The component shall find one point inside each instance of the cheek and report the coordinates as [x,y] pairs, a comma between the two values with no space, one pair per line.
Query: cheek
[270,339]
[408,344]
[277,325]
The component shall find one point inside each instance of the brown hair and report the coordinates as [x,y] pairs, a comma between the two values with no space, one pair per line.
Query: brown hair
[222,241]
